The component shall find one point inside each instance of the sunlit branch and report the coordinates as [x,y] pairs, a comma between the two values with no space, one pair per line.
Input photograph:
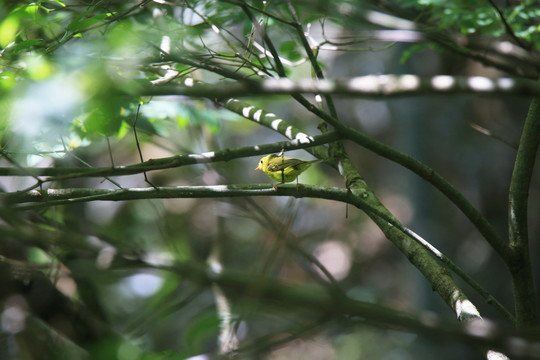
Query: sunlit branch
[370,86]
[272,121]
[447,261]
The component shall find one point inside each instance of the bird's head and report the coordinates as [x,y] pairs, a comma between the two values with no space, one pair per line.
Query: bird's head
[263,163]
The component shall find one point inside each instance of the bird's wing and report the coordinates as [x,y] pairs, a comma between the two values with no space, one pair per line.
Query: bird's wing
[282,165]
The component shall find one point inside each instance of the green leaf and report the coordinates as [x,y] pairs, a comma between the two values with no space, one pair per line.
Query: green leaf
[102,122]
[26,45]
[39,68]
[210,119]
[105,115]
[287,46]
[8,30]
[202,329]
[7,80]
[182,121]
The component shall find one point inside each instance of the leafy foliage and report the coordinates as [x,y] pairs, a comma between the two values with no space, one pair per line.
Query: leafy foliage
[483,17]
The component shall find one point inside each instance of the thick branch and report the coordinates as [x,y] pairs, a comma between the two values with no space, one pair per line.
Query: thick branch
[525,297]
[439,182]
[272,121]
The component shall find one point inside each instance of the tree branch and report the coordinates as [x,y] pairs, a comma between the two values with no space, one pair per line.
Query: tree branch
[439,182]
[312,58]
[56,197]
[520,267]
[455,43]
[319,300]
[298,141]
[508,28]
[370,86]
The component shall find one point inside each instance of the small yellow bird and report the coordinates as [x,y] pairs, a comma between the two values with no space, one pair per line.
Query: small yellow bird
[283,169]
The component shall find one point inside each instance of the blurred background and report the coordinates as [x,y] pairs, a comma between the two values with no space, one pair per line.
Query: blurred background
[64,76]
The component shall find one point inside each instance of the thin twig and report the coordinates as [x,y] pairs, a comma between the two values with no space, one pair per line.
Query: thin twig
[110,151]
[66,150]
[139,147]
[508,28]
[25,171]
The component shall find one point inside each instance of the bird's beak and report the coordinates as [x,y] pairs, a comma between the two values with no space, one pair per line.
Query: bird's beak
[258,168]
